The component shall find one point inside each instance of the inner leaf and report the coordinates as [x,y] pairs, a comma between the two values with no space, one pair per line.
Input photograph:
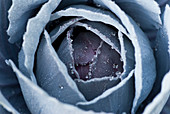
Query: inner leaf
[94,58]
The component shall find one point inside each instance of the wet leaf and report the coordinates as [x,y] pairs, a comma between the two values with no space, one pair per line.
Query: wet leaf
[38,100]
[117,99]
[156,106]
[52,74]
[31,37]
[145,71]
[19,14]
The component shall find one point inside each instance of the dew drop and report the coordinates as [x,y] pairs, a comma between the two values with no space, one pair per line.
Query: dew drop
[71,66]
[98,5]
[114,66]
[113,34]
[99,52]
[87,77]
[86,47]
[111,78]
[72,71]
[121,59]
[118,73]
[61,87]
[89,73]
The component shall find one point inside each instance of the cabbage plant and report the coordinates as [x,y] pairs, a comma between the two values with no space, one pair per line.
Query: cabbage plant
[84,56]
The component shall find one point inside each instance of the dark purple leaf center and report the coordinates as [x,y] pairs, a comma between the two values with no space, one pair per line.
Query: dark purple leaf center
[94,58]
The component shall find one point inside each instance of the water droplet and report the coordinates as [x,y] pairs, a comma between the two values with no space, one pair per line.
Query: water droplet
[118,73]
[72,71]
[87,77]
[61,87]
[111,78]
[89,74]
[117,66]
[90,68]
[121,59]
[114,66]
[98,52]
[98,5]
[113,34]
[86,47]
[88,27]
[71,66]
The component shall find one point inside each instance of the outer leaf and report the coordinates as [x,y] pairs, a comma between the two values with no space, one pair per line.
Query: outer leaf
[145,71]
[38,100]
[162,52]
[117,99]
[7,50]
[31,37]
[156,106]
[52,74]
[19,14]
[14,96]
[8,81]
[144,12]
[163,47]
[91,14]
[7,105]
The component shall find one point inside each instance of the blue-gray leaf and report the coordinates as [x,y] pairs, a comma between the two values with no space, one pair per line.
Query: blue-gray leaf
[144,12]
[31,37]
[19,14]
[117,99]
[52,74]
[91,14]
[145,71]
[156,106]
[39,101]
[95,87]
[162,52]
[7,50]
[4,102]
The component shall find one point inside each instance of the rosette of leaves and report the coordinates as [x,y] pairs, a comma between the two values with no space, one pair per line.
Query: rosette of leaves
[83,56]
